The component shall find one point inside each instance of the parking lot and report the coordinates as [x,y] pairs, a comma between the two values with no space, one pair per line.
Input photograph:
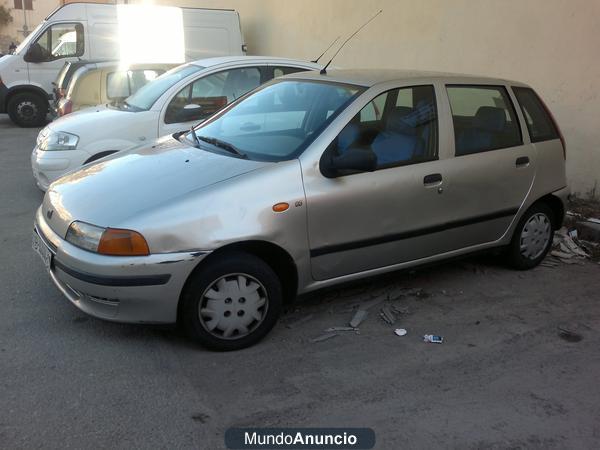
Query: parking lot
[503,378]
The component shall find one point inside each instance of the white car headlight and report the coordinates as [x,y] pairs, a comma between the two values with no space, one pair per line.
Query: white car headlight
[56,140]
[84,235]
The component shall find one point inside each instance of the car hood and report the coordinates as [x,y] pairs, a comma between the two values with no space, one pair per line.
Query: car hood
[90,118]
[118,187]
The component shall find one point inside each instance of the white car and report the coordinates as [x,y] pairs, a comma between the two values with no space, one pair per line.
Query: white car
[173,102]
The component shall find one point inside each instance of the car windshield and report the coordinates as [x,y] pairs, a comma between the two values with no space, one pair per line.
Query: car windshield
[143,99]
[279,121]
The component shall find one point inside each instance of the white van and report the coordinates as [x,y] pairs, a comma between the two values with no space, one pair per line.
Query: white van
[78,31]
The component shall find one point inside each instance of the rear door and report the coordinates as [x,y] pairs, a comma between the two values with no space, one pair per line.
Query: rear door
[492,170]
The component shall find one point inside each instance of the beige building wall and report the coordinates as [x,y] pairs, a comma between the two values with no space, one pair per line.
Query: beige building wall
[554,45]
[551,44]
[14,31]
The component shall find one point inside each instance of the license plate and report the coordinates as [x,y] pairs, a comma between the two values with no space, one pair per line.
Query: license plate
[40,248]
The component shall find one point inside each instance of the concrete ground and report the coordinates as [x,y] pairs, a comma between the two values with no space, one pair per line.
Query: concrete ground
[503,378]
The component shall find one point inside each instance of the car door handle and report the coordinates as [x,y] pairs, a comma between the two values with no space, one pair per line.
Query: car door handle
[522,161]
[432,179]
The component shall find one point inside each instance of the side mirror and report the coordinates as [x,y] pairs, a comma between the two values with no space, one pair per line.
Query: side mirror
[189,112]
[34,54]
[355,159]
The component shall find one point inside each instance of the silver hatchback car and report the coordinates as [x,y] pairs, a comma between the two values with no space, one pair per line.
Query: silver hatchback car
[308,181]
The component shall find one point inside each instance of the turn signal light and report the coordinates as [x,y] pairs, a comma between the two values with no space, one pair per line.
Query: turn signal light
[280,207]
[117,242]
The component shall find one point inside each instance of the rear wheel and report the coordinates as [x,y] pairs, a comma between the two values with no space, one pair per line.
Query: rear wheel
[27,109]
[232,302]
[532,238]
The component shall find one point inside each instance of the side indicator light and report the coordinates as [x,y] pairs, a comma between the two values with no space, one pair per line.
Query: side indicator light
[280,207]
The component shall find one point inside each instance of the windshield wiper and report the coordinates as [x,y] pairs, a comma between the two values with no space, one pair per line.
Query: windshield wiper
[221,144]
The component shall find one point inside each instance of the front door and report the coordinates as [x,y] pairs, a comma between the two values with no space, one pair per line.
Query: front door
[206,95]
[363,221]
[59,43]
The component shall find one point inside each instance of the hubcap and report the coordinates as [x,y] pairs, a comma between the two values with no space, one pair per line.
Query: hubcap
[27,110]
[233,306]
[535,236]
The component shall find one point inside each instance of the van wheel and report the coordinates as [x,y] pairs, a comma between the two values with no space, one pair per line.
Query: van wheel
[532,238]
[27,109]
[232,302]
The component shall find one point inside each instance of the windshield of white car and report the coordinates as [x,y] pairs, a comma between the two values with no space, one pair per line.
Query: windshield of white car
[143,99]
[277,122]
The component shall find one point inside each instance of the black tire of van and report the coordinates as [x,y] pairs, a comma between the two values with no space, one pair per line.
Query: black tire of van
[27,109]
[514,256]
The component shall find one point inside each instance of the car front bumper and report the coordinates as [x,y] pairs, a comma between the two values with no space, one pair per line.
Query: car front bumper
[48,166]
[142,289]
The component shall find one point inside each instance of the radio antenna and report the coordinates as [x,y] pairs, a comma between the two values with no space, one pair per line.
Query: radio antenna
[326,50]
[324,69]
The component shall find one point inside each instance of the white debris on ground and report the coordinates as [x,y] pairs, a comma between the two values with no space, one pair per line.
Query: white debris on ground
[567,248]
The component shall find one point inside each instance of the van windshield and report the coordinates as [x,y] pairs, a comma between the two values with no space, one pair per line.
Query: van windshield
[276,122]
[143,99]
[28,39]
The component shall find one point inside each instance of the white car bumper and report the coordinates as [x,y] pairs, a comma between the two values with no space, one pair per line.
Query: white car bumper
[48,166]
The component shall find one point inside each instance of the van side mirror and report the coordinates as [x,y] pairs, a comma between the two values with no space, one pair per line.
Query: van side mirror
[34,54]
[354,159]
[189,112]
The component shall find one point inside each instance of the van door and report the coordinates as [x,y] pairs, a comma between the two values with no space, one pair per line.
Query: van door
[204,96]
[492,170]
[58,43]
[366,220]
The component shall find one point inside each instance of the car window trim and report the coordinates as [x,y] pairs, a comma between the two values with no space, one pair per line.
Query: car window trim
[510,102]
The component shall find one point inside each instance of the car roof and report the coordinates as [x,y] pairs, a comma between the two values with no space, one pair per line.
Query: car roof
[225,60]
[371,77]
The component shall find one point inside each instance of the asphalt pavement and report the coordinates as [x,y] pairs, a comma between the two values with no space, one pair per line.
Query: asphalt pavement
[504,377]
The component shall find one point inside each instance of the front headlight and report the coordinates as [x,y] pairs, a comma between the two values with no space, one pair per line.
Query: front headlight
[107,241]
[84,235]
[56,140]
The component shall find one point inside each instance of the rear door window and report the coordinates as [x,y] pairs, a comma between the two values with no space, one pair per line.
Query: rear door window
[122,84]
[280,71]
[484,119]
[539,123]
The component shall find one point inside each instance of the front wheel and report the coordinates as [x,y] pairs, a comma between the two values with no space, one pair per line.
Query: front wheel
[232,302]
[27,109]
[532,238]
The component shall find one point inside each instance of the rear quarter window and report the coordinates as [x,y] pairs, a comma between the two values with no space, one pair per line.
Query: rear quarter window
[539,123]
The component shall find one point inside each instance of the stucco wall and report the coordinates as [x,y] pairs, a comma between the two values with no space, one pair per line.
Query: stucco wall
[14,30]
[551,44]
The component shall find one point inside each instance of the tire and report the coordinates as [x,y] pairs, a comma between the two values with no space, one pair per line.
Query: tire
[215,289]
[532,238]
[27,109]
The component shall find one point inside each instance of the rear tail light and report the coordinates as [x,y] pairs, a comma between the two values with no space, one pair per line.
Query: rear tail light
[65,108]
